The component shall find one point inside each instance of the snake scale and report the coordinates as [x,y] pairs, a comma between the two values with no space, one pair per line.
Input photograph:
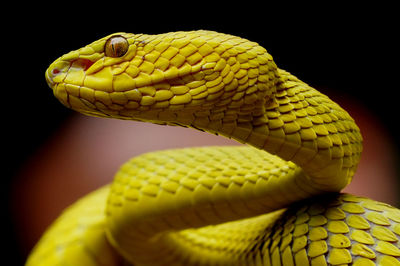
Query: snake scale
[275,201]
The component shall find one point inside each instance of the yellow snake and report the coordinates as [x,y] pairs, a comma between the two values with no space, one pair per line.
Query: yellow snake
[275,201]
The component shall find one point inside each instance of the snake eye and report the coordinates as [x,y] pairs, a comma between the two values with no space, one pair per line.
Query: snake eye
[116,46]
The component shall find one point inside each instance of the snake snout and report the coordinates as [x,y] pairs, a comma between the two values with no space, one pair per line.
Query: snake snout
[49,78]
[56,72]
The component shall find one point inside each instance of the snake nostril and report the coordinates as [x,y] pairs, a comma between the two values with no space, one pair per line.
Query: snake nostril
[55,71]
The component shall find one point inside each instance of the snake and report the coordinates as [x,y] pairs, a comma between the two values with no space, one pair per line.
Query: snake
[275,200]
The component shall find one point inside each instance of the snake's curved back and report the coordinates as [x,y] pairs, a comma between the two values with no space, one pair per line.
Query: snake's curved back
[202,206]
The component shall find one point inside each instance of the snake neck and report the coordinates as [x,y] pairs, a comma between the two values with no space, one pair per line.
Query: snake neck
[298,124]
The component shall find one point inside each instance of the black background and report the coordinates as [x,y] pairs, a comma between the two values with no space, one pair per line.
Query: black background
[349,50]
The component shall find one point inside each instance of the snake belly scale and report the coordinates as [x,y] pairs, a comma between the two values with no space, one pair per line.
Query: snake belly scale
[275,201]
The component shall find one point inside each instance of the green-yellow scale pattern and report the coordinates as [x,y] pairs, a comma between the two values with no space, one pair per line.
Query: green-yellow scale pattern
[217,205]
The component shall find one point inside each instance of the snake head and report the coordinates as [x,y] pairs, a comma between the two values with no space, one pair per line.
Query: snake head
[184,78]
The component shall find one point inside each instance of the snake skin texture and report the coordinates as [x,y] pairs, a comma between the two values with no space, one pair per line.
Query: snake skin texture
[275,201]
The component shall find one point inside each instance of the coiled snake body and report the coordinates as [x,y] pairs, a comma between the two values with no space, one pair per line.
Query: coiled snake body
[275,203]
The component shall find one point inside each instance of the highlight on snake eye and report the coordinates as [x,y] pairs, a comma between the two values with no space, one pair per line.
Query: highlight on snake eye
[277,199]
[116,46]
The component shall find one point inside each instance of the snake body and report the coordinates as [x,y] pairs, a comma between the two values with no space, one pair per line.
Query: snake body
[275,201]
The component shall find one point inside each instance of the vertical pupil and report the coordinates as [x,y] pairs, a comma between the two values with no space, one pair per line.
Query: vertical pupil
[114,47]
